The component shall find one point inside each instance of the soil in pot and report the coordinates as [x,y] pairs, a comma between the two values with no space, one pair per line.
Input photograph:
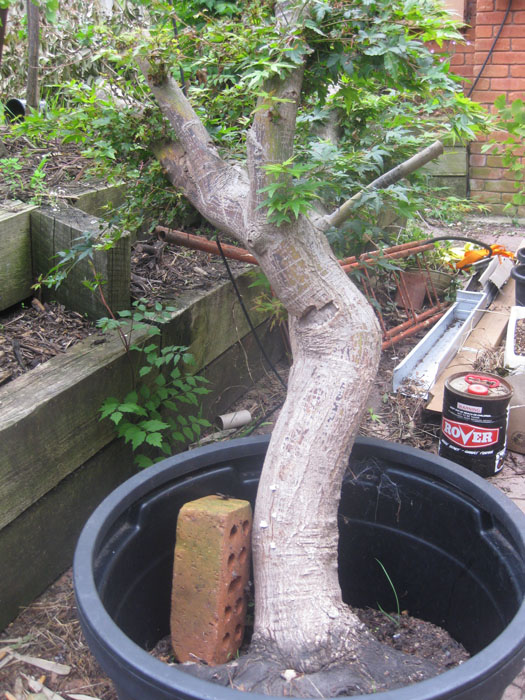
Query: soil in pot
[430,645]
[519,337]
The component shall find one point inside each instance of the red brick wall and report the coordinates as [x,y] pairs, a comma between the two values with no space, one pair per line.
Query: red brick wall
[503,74]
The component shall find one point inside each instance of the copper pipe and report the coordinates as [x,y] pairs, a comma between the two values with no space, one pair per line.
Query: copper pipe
[420,326]
[392,249]
[387,256]
[200,243]
[418,319]
[189,240]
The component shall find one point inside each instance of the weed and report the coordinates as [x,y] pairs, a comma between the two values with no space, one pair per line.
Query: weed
[398,608]
[150,415]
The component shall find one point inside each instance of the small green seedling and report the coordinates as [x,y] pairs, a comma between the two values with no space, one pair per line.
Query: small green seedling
[398,608]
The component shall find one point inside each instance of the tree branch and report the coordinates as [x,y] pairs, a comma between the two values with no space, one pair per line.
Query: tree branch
[215,188]
[398,173]
[271,138]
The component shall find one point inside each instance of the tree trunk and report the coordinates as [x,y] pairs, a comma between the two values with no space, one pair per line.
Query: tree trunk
[335,338]
[3,25]
[33,43]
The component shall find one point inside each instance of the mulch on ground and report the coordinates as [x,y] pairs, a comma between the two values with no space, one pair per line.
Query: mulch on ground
[33,332]
[62,167]
[31,335]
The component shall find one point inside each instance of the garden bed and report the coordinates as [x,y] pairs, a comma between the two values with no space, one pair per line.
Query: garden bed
[58,460]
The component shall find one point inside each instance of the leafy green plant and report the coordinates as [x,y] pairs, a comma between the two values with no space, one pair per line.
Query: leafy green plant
[511,121]
[10,169]
[37,182]
[150,416]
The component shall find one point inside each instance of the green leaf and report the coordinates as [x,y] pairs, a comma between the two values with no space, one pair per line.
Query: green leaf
[137,438]
[132,408]
[153,425]
[154,439]
[109,405]
[142,461]
[116,417]
[143,371]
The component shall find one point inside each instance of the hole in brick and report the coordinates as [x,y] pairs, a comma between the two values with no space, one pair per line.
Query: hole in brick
[238,633]
[238,605]
[233,531]
[246,527]
[231,560]
[227,613]
[234,584]
[226,638]
[243,555]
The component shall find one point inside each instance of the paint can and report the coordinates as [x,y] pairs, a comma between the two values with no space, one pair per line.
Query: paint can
[474,422]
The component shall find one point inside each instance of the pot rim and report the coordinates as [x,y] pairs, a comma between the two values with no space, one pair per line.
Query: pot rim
[501,652]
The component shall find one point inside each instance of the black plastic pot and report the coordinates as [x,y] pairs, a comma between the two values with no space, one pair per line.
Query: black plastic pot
[453,545]
[518,273]
[16,109]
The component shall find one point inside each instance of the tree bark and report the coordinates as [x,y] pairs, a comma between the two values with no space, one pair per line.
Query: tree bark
[335,342]
[33,45]
[3,25]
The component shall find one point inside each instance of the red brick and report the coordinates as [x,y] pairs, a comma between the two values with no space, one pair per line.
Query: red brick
[210,575]
[484,31]
[507,84]
[484,173]
[499,186]
[478,160]
[486,97]
[518,17]
[486,44]
[458,59]
[495,71]
[502,5]
[511,96]
[486,197]
[486,5]
[517,71]
[509,57]
[518,43]
[490,17]
[507,197]
[494,161]
[512,30]
[483,84]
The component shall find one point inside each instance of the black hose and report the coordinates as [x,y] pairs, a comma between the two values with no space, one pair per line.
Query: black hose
[247,315]
[491,50]
[463,238]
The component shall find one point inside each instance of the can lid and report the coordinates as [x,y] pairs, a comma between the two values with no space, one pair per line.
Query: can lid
[479,384]
[478,389]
